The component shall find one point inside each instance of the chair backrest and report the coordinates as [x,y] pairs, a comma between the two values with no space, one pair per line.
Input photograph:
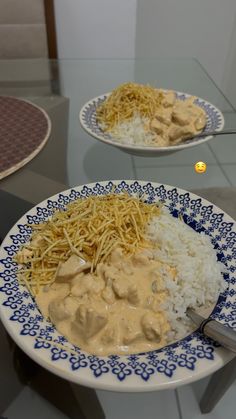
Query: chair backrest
[22,29]
[27,35]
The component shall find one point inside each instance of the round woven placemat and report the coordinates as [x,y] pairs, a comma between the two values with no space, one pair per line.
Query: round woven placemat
[24,130]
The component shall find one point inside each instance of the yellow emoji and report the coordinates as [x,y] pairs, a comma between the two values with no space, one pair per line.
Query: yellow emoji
[200,167]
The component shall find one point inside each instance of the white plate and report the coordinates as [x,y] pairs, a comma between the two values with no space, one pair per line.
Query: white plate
[88,120]
[185,361]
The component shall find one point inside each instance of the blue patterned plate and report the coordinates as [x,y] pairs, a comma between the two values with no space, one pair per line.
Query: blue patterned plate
[185,361]
[87,117]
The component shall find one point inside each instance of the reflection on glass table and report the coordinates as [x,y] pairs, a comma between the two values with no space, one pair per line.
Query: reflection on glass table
[72,157]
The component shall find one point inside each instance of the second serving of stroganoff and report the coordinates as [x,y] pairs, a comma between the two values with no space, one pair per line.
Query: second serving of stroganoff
[115,275]
[143,115]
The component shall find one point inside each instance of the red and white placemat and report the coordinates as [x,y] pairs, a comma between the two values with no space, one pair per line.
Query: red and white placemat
[24,130]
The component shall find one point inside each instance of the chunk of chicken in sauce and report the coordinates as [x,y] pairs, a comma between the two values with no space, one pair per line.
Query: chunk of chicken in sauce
[177,120]
[118,309]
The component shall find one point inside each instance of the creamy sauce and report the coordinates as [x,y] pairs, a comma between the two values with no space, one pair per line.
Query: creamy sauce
[118,309]
[176,120]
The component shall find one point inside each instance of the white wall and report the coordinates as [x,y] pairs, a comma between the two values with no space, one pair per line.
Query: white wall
[188,28]
[96,28]
[205,29]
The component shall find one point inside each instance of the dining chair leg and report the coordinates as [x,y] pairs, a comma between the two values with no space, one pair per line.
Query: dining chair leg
[217,386]
[88,401]
[74,401]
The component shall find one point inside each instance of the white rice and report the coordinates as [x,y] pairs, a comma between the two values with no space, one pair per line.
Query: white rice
[199,279]
[133,132]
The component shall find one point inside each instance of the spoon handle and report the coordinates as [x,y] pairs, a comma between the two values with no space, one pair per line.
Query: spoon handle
[215,330]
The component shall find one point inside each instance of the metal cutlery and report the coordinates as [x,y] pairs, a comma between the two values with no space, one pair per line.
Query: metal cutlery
[213,133]
[225,335]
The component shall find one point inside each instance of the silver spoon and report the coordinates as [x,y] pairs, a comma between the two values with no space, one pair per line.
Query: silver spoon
[213,133]
[225,335]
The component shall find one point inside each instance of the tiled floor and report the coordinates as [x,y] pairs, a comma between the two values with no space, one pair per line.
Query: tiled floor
[139,406]
[230,172]
[184,177]
[180,404]
[182,158]
[178,168]
[29,405]
[224,148]
[115,405]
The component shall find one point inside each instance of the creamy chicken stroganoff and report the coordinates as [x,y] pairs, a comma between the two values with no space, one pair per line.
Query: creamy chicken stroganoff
[143,115]
[115,275]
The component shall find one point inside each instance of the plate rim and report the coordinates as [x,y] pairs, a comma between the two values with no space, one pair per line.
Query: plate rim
[222,356]
[142,148]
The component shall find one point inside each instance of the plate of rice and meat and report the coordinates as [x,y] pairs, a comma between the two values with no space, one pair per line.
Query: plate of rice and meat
[95,283]
[147,121]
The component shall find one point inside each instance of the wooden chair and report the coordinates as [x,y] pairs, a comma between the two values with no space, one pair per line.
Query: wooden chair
[27,29]
[28,32]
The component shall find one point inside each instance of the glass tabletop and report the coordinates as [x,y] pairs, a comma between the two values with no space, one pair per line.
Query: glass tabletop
[72,157]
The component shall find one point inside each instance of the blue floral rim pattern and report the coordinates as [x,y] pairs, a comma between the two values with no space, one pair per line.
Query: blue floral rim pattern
[40,339]
[215,120]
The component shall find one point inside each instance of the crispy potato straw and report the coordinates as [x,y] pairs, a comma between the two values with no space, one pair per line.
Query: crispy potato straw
[90,228]
[127,100]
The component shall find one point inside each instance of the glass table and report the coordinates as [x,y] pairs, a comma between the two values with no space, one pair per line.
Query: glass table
[71,157]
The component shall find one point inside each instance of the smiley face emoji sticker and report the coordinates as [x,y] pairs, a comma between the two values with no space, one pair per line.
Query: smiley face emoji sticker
[200,167]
